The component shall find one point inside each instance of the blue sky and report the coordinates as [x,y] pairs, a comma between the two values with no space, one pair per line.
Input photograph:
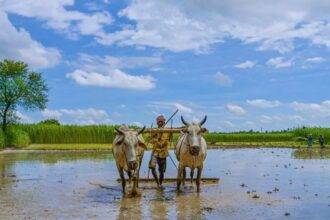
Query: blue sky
[245,65]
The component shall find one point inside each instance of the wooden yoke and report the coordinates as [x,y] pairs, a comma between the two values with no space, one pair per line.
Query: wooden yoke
[162,130]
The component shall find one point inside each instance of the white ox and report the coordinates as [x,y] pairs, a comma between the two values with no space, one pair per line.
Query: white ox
[191,151]
[128,149]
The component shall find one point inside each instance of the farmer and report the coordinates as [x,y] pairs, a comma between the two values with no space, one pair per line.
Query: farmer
[309,141]
[321,141]
[160,142]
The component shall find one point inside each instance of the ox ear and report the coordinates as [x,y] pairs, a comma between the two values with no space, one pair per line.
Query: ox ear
[142,144]
[118,131]
[184,130]
[204,130]
[119,140]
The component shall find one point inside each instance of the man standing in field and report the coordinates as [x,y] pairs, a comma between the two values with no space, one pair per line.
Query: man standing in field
[321,141]
[160,142]
[309,141]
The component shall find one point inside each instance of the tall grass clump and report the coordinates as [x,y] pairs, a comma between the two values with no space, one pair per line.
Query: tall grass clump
[2,140]
[16,138]
[68,134]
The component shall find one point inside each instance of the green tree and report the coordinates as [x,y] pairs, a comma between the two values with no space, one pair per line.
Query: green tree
[19,87]
[50,121]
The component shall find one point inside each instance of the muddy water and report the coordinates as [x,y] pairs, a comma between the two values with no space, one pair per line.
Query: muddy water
[255,184]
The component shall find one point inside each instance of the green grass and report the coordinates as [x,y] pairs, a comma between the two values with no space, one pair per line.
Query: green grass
[314,131]
[248,137]
[99,137]
[290,144]
[99,147]
[67,134]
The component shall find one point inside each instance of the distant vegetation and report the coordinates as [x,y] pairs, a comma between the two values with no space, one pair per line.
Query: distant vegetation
[216,137]
[68,134]
[50,122]
[50,132]
[314,131]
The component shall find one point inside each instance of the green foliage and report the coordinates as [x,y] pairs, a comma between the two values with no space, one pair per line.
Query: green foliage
[50,122]
[19,87]
[44,133]
[215,137]
[66,134]
[69,147]
[2,140]
[303,132]
[16,138]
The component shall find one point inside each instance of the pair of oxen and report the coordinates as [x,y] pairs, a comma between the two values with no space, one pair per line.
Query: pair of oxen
[190,151]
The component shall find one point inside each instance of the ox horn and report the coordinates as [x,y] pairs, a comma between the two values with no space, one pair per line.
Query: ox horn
[184,121]
[119,131]
[203,121]
[141,130]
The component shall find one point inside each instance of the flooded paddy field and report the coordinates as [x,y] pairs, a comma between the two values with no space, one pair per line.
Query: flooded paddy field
[260,183]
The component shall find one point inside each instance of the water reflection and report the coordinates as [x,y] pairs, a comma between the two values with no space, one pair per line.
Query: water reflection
[159,205]
[55,157]
[316,153]
[130,208]
[189,206]
[58,186]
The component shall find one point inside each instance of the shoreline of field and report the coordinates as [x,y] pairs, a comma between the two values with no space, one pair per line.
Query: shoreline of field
[108,147]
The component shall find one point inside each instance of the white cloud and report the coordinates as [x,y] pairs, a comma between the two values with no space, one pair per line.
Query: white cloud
[195,25]
[183,109]
[106,72]
[315,60]
[236,109]
[293,119]
[97,63]
[266,119]
[279,62]
[262,103]
[245,65]
[24,118]
[79,116]
[113,79]
[17,44]
[56,15]
[313,109]
[47,113]
[223,79]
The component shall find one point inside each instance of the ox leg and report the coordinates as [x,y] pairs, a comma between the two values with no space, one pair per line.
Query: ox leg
[179,177]
[184,176]
[123,181]
[138,176]
[138,172]
[191,175]
[134,191]
[129,174]
[198,179]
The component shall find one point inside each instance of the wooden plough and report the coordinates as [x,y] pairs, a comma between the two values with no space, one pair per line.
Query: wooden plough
[205,180]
